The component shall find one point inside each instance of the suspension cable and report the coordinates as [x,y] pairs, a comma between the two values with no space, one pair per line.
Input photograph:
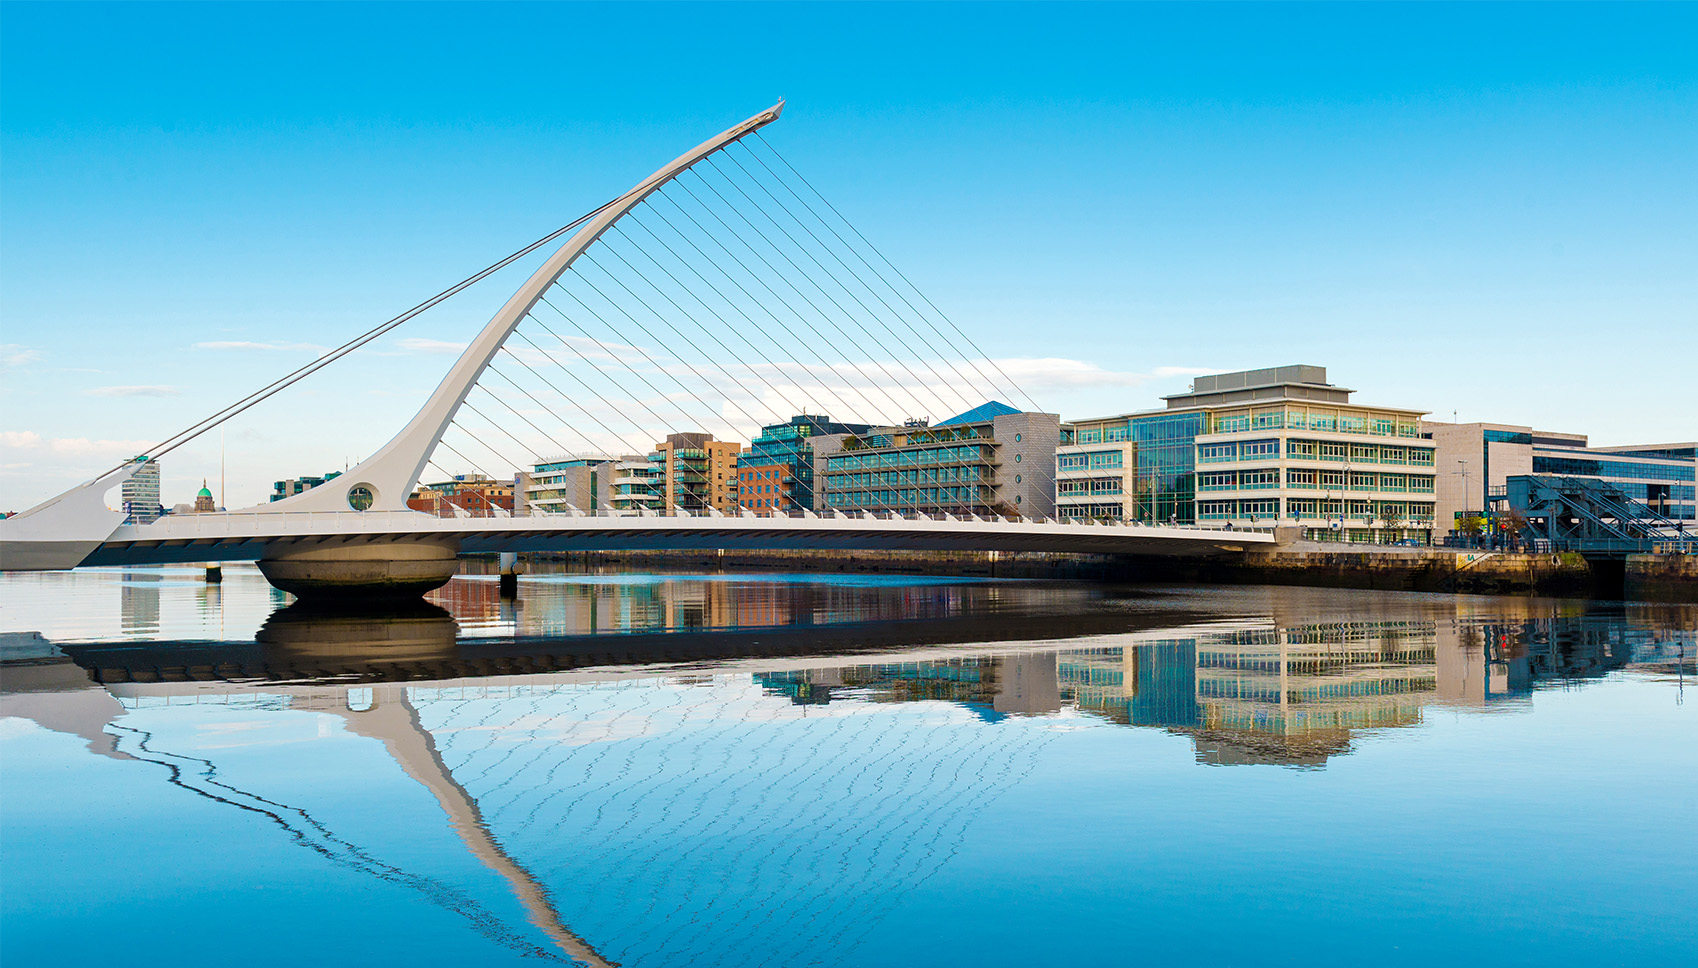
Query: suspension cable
[287,380]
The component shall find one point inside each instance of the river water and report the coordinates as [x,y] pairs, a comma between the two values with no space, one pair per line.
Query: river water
[789,770]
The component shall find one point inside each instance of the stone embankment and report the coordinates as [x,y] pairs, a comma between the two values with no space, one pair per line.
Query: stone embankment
[1662,578]
[1667,578]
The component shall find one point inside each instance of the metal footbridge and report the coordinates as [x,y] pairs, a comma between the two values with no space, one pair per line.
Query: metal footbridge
[717,302]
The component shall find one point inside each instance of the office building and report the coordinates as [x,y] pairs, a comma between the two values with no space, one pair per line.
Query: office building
[1255,448]
[1475,461]
[991,460]
[776,474]
[627,483]
[140,494]
[696,472]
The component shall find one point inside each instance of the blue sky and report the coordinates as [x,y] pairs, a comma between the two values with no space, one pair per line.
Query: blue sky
[1481,209]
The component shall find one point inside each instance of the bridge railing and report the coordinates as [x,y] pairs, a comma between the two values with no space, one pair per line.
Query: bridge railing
[280,522]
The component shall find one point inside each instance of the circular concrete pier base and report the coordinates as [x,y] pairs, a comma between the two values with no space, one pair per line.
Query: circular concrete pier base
[369,571]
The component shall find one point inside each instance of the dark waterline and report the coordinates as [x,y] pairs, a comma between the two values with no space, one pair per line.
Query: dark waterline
[658,770]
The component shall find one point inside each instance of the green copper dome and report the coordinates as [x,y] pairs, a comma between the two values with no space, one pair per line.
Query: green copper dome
[204,493]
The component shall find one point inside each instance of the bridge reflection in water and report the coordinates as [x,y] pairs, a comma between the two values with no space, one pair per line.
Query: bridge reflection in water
[729,810]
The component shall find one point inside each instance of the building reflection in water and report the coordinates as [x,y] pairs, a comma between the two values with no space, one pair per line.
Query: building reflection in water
[573,603]
[1293,695]
[138,602]
[652,817]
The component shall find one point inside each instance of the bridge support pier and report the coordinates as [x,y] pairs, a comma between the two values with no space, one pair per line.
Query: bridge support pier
[363,571]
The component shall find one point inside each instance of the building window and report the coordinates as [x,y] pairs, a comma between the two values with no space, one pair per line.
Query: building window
[1217,482]
[1231,423]
[1253,449]
[1336,452]
[1304,479]
[1217,453]
[1258,480]
[1216,510]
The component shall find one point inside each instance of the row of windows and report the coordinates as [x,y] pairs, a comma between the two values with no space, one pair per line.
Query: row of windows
[1317,450]
[1090,511]
[909,458]
[1309,418]
[1223,510]
[925,475]
[1413,512]
[1587,467]
[1108,485]
[1099,459]
[908,497]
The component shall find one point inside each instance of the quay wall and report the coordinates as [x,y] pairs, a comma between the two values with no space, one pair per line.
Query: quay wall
[1667,578]
[1661,578]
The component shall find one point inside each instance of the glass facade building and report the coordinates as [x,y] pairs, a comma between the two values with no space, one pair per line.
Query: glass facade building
[1256,448]
[1475,461]
[140,494]
[776,474]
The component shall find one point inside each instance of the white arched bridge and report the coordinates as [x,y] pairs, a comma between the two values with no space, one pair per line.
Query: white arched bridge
[747,274]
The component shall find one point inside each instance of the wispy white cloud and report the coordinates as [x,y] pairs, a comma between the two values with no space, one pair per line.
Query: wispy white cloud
[32,441]
[270,346]
[415,344]
[16,354]
[1061,373]
[134,391]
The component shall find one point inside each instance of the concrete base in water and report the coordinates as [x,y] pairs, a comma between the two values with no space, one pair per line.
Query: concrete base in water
[363,571]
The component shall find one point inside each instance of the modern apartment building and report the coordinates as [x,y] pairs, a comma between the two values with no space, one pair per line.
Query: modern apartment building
[776,474]
[696,472]
[140,494]
[991,460]
[1256,448]
[565,484]
[1475,461]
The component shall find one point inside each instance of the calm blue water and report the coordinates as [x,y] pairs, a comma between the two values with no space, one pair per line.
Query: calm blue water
[854,772]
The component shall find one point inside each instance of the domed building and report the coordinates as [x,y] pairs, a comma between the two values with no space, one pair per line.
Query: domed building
[203,500]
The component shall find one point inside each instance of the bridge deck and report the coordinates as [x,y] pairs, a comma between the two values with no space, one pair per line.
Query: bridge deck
[239,536]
